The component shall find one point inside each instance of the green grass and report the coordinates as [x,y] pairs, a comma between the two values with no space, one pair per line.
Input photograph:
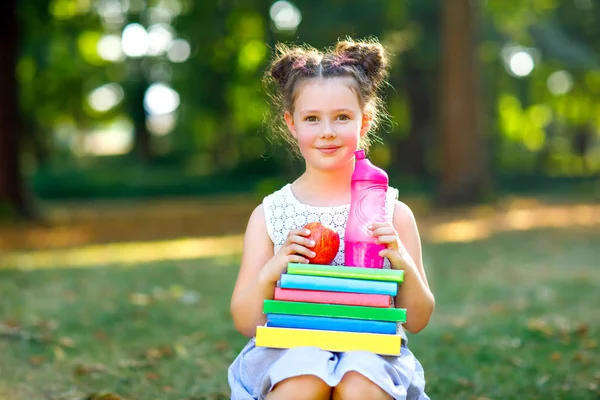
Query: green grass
[516,318]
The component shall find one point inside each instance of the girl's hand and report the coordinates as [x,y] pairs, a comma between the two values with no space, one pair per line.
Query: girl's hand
[385,233]
[294,250]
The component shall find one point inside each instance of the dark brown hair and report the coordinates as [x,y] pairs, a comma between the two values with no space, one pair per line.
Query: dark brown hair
[366,62]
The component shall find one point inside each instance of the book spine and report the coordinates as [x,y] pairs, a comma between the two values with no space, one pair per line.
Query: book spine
[327,297]
[338,284]
[330,324]
[340,271]
[334,310]
[286,338]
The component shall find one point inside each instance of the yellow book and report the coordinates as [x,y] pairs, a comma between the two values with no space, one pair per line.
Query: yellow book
[285,338]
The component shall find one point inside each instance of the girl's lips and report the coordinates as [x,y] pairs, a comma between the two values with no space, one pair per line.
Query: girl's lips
[327,150]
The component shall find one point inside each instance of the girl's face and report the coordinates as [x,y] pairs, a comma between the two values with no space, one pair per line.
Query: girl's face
[327,122]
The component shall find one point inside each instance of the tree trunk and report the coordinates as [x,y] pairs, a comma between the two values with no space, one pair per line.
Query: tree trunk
[142,140]
[11,181]
[421,106]
[464,175]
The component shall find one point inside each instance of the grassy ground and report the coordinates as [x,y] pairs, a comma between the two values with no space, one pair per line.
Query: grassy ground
[517,318]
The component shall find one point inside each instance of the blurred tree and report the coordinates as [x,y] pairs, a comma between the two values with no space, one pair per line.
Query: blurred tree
[464,175]
[11,181]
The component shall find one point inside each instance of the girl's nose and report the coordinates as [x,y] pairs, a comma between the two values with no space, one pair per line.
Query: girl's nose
[328,131]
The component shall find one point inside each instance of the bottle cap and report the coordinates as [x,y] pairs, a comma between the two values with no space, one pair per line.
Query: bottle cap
[359,154]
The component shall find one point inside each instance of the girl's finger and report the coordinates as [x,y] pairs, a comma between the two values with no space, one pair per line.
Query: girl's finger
[299,232]
[388,239]
[377,225]
[391,255]
[301,240]
[295,258]
[298,249]
[388,230]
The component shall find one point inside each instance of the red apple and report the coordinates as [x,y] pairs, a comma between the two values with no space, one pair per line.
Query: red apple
[327,242]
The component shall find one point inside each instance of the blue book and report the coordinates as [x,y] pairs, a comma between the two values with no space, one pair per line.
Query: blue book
[330,324]
[308,282]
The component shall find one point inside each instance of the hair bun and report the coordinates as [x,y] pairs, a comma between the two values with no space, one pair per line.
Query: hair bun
[288,59]
[371,56]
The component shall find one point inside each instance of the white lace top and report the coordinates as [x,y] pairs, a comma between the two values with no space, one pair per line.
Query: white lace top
[283,212]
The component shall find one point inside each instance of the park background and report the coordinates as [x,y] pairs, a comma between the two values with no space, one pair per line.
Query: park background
[133,149]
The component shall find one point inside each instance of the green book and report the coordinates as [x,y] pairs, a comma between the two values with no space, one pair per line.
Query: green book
[336,271]
[334,310]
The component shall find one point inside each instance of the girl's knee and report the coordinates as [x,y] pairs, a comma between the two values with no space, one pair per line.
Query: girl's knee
[303,387]
[356,386]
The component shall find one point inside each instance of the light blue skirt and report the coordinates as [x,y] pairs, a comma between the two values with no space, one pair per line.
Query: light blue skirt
[256,370]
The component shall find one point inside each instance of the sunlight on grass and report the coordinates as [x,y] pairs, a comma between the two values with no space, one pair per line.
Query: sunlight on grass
[473,229]
[436,229]
[125,253]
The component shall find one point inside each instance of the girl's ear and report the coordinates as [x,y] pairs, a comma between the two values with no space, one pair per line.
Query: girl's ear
[289,121]
[366,124]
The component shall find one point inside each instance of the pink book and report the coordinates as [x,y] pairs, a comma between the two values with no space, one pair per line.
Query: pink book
[319,296]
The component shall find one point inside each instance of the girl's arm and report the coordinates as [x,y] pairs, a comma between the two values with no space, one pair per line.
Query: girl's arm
[261,269]
[250,288]
[404,252]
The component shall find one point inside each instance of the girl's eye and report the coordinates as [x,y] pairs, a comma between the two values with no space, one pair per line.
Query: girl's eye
[343,117]
[311,118]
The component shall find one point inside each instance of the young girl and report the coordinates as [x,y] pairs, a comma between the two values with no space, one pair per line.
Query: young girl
[330,103]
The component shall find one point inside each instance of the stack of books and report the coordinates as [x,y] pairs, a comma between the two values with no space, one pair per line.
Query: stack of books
[335,308]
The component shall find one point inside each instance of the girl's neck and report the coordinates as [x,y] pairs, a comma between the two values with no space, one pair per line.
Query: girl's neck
[321,188]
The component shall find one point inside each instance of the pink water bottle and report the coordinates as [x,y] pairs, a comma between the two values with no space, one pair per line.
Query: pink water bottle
[368,198]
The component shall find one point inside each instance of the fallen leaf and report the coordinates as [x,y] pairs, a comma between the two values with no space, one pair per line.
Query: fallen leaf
[176,291]
[539,325]
[180,350]
[590,343]
[517,362]
[47,325]
[459,322]
[153,354]
[556,356]
[498,308]
[133,364]
[59,353]
[195,337]
[37,360]
[66,341]
[582,329]
[101,335]
[221,345]
[465,382]
[582,358]
[541,381]
[88,369]
[167,389]
[448,337]
[152,376]
[12,323]
[139,299]
[103,396]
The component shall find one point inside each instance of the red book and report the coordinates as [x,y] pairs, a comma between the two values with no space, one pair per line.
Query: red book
[320,296]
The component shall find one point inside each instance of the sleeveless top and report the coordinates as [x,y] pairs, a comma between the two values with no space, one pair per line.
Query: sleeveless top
[284,212]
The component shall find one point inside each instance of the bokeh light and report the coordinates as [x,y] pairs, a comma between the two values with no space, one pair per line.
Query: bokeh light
[179,51]
[521,63]
[560,82]
[160,37]
[110,49]
[285,16]
[106,97]
[161,99]
[135,41]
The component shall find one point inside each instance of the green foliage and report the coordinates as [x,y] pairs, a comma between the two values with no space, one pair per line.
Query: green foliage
[220,119]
